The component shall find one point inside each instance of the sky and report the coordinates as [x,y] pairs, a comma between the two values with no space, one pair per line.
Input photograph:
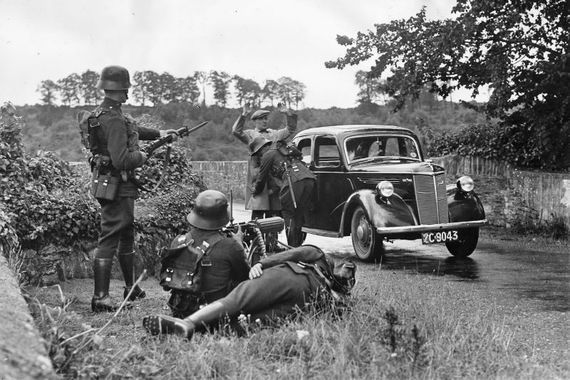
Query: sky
[255,39]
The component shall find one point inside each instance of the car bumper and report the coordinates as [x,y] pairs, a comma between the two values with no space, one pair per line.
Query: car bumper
[431,227]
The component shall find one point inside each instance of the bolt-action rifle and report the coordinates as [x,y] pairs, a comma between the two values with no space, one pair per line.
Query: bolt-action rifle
[182,132]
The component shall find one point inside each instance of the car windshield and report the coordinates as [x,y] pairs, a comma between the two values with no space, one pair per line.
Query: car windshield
[382,148]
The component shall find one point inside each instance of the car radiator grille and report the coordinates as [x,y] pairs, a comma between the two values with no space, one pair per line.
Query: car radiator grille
[431,198]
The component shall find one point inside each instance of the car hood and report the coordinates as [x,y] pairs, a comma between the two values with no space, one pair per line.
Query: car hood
[396,167]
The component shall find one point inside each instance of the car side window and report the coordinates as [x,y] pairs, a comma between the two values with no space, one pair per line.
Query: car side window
[304,146]
[326,152]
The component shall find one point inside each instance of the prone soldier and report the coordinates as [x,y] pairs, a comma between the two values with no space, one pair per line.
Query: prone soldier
[279,285]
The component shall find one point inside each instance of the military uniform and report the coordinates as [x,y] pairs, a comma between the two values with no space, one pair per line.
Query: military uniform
[226,266]
[114,144]
[264,201]
[272,170]
[290,281]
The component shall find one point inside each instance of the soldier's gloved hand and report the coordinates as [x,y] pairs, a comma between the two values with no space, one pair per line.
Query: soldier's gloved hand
[137,173]
[165,132]
[255,271]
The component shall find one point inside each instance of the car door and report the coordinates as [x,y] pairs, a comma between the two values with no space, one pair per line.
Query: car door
[333,186]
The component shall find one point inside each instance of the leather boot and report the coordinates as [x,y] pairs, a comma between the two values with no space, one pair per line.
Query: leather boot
[127,263]
[101,302]
[164,324]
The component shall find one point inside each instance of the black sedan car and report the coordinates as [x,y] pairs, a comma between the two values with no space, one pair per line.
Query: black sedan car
[373,183]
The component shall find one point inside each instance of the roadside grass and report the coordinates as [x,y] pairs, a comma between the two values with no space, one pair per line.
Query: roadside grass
[402,325]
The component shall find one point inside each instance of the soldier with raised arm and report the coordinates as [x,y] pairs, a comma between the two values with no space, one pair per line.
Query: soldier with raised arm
[264,204]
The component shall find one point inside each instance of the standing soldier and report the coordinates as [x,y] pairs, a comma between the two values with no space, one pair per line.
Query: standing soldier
[296,184]
[264,204]
[114,144]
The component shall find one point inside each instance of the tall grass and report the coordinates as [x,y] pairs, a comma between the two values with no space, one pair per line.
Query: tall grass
[399,326]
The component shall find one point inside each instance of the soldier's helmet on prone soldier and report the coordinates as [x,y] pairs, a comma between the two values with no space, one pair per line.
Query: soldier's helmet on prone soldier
[114,78]
[257,143]
[210,211]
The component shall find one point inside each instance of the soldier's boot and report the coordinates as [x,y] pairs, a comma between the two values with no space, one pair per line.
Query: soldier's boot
[164,324]
[101,302]
[127,263]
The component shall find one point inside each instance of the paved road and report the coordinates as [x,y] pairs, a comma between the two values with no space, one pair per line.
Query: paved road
[533,274]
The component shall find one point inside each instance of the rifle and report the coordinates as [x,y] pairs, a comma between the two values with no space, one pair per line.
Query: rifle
[286,173]
[182,132]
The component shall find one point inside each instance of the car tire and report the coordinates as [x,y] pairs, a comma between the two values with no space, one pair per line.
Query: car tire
[367,243]
[466,243]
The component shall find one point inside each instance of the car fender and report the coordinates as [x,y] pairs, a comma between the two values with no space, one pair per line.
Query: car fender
[464,206]
[393,213]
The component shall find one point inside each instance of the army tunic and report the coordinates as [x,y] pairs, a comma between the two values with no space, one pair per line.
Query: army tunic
[271,171]
[289,281]
[117,138]
[264,200]
[227,267]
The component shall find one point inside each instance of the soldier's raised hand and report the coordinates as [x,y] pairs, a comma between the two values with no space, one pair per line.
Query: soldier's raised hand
[246,109]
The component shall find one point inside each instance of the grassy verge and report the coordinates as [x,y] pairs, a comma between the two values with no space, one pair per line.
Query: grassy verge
[403,325]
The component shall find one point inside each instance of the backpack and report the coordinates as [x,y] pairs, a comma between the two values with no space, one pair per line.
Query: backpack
[86,122]
[296,168]
[182,263]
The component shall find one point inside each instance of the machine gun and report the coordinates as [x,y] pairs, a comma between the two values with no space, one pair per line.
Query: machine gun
[182,132]
[253,232]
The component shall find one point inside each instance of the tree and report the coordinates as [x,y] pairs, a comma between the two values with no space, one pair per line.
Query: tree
[220,81]
[369,87]
[142,84]
[187,90]
[202,78]
[69,88]
[88,87]
[247,91]
[168,90]
[48,90]
[518,48]
[270,90]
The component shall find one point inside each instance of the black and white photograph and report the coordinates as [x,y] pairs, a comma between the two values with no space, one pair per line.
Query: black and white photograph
[366,189]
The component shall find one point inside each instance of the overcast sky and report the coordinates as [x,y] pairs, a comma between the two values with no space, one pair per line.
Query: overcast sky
[255,39]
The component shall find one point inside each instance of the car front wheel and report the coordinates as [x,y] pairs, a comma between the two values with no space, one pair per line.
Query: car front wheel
[366,242]
[466,244]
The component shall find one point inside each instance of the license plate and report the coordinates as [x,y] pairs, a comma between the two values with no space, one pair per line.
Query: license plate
[439,237]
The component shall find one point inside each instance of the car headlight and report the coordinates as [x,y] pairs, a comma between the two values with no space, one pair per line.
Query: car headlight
[385,189]
[465,184]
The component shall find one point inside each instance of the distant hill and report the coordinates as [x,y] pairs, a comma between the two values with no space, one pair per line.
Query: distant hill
[52,128]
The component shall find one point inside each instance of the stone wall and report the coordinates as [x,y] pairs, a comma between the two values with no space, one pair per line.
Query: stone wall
[508,194]
[224,176]
[514,196]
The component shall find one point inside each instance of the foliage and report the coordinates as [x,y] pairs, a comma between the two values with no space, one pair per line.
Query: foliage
[519,49]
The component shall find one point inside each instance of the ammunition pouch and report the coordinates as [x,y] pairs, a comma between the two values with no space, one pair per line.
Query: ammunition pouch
[104,185]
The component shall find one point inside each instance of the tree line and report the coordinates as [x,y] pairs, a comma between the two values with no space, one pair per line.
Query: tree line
[151,88]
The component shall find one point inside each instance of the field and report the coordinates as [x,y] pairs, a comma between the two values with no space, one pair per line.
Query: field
[401,325]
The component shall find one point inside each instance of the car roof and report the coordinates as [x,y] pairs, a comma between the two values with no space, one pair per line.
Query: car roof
[342,130]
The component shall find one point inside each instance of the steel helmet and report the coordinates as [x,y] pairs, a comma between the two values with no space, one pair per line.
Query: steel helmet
[210,211]
[257,143]
[114,78]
